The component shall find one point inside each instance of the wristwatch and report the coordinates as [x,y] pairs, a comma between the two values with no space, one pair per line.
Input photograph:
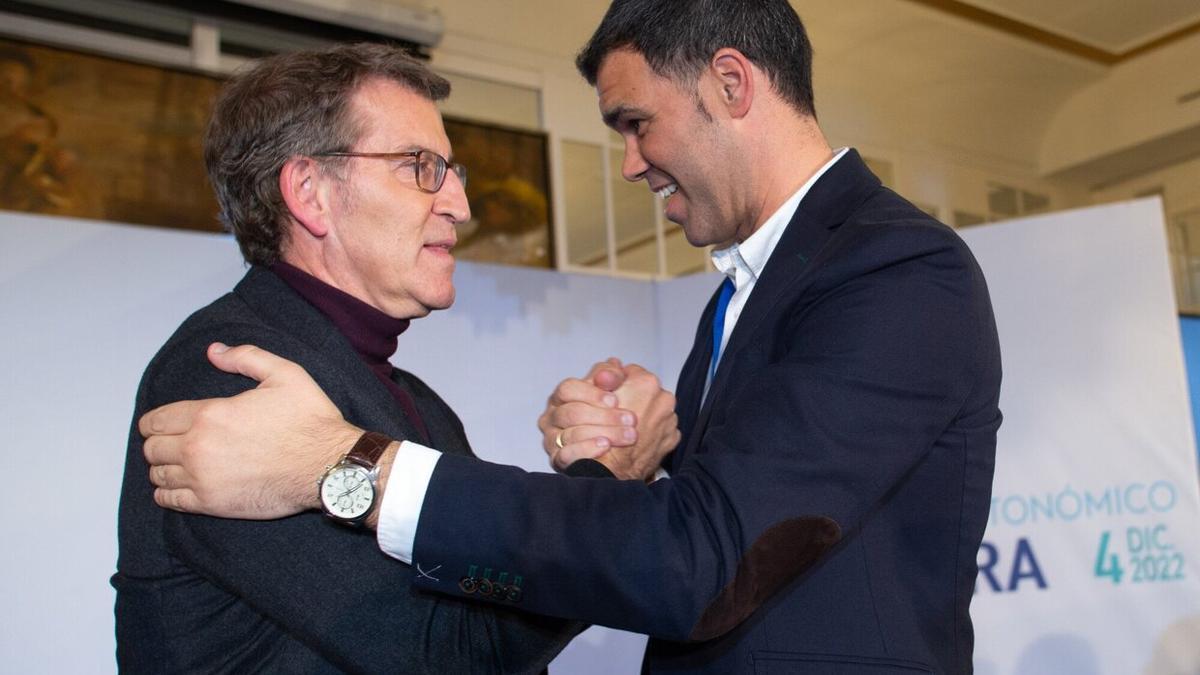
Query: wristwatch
[347,489]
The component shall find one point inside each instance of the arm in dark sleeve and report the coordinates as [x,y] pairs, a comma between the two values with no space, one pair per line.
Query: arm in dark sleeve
[874,367]
[327,585]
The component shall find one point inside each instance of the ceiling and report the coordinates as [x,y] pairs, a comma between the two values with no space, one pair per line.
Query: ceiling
[1112,25]
[1103,30]
[980,79]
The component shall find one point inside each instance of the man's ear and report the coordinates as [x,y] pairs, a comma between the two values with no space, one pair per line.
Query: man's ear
[302,184]
[735,76]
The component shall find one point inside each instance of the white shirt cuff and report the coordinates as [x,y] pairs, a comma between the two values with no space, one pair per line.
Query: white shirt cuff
[660,474]
[411,472]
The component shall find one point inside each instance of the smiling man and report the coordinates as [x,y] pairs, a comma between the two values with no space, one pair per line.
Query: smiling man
[332,170]
[838,411]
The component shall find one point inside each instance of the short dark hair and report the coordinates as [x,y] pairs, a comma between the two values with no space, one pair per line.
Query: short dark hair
[289,105]
[678,37]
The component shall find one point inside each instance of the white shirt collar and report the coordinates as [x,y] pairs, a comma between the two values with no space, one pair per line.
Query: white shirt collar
[745,261]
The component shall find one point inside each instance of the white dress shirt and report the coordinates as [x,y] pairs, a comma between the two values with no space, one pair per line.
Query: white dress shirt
[414,464]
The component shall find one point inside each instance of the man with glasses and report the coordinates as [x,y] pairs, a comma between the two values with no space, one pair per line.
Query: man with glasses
[331,169]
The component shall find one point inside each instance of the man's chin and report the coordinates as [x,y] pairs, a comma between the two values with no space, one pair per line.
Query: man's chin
[699,238]
[700,234]
[419,306]
[442,300]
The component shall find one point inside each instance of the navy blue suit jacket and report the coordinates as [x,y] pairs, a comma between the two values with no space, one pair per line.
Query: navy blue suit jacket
[827,500]
[302,594]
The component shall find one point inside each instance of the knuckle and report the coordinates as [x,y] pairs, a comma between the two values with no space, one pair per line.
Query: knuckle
[566,415]
[168,499]
[205,415]
[188,453]
[563,393]
[575,414]
[292,369]
[148,424]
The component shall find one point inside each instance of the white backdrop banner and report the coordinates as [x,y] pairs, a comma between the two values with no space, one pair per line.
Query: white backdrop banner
[1090,559]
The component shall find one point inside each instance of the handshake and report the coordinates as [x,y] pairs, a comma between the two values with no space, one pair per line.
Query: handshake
[618,415]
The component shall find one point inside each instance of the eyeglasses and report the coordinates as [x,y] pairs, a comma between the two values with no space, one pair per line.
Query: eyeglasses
[430,167]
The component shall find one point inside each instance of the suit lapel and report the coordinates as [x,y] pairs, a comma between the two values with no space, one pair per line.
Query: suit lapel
[444,432]
[280,306]
[794,263]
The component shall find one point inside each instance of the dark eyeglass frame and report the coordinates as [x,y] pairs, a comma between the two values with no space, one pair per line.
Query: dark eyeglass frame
[439,165]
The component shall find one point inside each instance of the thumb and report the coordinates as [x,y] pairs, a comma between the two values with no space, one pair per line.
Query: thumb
[253,362]
[607,375]
[609,379]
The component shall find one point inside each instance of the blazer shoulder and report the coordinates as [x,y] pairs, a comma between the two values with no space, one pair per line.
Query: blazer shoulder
[883,208]
[888,228]
[181,363]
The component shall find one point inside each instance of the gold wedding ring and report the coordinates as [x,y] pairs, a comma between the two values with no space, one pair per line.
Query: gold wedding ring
[558,439]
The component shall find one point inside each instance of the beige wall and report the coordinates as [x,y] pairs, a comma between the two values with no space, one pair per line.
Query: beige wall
[952,106]
[1136,104]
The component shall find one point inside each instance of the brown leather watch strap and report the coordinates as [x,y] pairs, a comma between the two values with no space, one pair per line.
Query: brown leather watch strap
[369,449]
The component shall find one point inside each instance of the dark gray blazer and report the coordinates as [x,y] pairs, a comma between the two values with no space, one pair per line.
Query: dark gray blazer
[302,594]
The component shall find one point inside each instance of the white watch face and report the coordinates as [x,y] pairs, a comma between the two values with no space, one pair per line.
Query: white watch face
[347,492]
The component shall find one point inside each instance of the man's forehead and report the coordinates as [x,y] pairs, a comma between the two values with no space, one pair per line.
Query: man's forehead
[620,66]
[627,86]
[625,72]
[621,75]
[399,117]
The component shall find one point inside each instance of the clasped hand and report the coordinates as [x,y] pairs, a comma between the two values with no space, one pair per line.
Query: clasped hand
[617,414]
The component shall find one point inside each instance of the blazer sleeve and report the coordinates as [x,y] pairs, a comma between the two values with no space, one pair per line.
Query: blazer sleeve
[324,584]
[869,372]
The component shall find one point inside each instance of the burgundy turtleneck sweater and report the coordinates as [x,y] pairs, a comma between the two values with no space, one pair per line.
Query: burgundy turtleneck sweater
[371,332]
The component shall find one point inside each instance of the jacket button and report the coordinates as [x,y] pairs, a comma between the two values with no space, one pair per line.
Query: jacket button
[485,587]
[514,593]
[467,585]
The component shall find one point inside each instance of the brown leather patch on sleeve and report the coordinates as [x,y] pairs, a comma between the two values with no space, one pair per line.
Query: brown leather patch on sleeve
[780,554]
